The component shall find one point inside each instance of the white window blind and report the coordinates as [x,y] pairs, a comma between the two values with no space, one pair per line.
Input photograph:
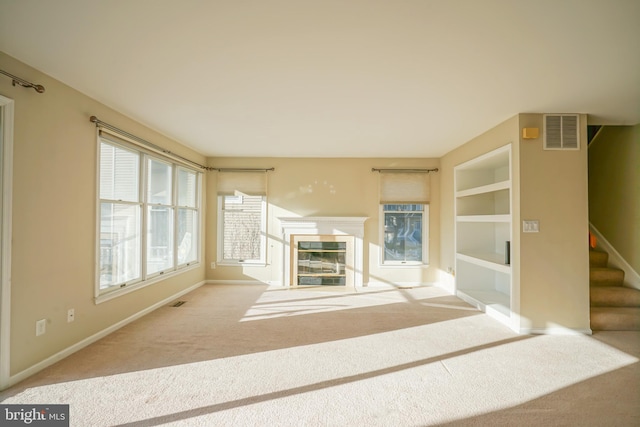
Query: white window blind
[249,183]
[404,187]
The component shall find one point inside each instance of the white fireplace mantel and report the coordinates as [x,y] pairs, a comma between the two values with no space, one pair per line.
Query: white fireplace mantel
[323,225]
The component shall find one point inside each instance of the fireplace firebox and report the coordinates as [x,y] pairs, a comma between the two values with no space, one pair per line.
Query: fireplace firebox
[321,263]
[323,251]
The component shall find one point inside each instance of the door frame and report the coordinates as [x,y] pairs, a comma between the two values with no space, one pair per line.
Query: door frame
[6,186]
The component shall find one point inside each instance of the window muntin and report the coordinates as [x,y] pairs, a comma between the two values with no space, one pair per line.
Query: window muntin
[160,218]
[187,242]
[159,239]
[120,243]
[138,190]
[120,216]
[404,231]
[159,182]
[187,237]
[243,223]
[187,187]
[119,173]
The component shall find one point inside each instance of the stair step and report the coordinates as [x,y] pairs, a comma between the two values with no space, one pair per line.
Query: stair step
[598,258]
[615,318]
[605,276]
[614,296]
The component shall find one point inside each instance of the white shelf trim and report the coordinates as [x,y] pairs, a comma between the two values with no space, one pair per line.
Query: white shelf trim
[492,261]
[484,218]
[493,303]
[489,188]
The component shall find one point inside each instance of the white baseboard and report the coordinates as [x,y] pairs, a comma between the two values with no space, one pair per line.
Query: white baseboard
[14,379]
[377,285]
[396,285]
[631,277]
[554,331]
[239,282]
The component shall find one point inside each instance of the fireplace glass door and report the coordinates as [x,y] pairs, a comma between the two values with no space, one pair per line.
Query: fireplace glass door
[321,263]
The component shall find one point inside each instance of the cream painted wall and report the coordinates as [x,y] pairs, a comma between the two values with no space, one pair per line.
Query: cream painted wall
[551,279]
[54,219]
[324,187]
[614,189]
[554,263]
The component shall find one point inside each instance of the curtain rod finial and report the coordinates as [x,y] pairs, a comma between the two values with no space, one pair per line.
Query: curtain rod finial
[93,119]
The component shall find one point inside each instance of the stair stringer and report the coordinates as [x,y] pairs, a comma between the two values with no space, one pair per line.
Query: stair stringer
[631,277]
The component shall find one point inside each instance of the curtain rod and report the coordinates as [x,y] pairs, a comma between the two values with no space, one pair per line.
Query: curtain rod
[23,83]
[100,123]
[242,169]
[405,170]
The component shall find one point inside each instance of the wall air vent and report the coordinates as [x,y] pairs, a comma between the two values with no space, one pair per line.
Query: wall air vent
[561,132]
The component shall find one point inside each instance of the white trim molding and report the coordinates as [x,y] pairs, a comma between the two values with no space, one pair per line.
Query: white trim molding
[555,331]
[325,225]
[236,282]
[6,146]
[93,338]
[631,277]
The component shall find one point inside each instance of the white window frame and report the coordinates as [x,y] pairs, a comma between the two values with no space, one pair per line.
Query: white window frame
[263,237]
[118,289]
[425,237]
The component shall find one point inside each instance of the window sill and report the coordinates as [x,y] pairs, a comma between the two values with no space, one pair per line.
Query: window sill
[240,264]
[107,296]
[405,265]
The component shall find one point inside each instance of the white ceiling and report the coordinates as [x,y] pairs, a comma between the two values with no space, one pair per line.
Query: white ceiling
[335,78]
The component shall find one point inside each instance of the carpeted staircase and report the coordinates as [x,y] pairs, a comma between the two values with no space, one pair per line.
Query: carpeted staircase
[614,307]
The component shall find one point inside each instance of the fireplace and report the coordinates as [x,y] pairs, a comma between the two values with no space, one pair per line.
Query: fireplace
[322,260]
[323,251]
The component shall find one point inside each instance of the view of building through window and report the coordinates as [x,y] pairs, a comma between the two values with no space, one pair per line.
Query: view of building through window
[403,233]
[243,228]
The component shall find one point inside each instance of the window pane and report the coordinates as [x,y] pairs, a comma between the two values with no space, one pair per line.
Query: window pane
[187,235]
[242,225]
[119,244]
[159,239]
[187,185]
[119,171]
[159,182]
[403,236]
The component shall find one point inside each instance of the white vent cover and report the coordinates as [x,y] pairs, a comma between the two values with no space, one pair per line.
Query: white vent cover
[561,132]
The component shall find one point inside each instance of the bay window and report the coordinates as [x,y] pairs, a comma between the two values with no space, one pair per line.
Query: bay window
[149,215]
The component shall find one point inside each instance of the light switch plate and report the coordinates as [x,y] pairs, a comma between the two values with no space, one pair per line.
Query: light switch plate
[530,226]
[41,327]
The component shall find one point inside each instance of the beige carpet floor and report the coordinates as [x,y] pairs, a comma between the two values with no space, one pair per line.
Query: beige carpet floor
[254,355]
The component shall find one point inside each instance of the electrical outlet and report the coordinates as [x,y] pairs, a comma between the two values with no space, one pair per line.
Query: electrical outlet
[71,315]
[213,265]
[41,327]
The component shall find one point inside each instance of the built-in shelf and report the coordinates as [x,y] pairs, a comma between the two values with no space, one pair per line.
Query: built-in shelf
[484,218]
[491,260]
[483,232]
[502,185]
[493,300]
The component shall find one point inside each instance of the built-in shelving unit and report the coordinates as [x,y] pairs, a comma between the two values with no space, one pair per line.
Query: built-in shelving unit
[483,206]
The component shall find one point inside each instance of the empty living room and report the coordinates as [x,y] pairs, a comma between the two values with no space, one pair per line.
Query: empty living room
[320,213]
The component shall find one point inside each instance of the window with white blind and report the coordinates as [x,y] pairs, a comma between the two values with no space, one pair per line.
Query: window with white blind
[404,209]
[242,217]
[149,216]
